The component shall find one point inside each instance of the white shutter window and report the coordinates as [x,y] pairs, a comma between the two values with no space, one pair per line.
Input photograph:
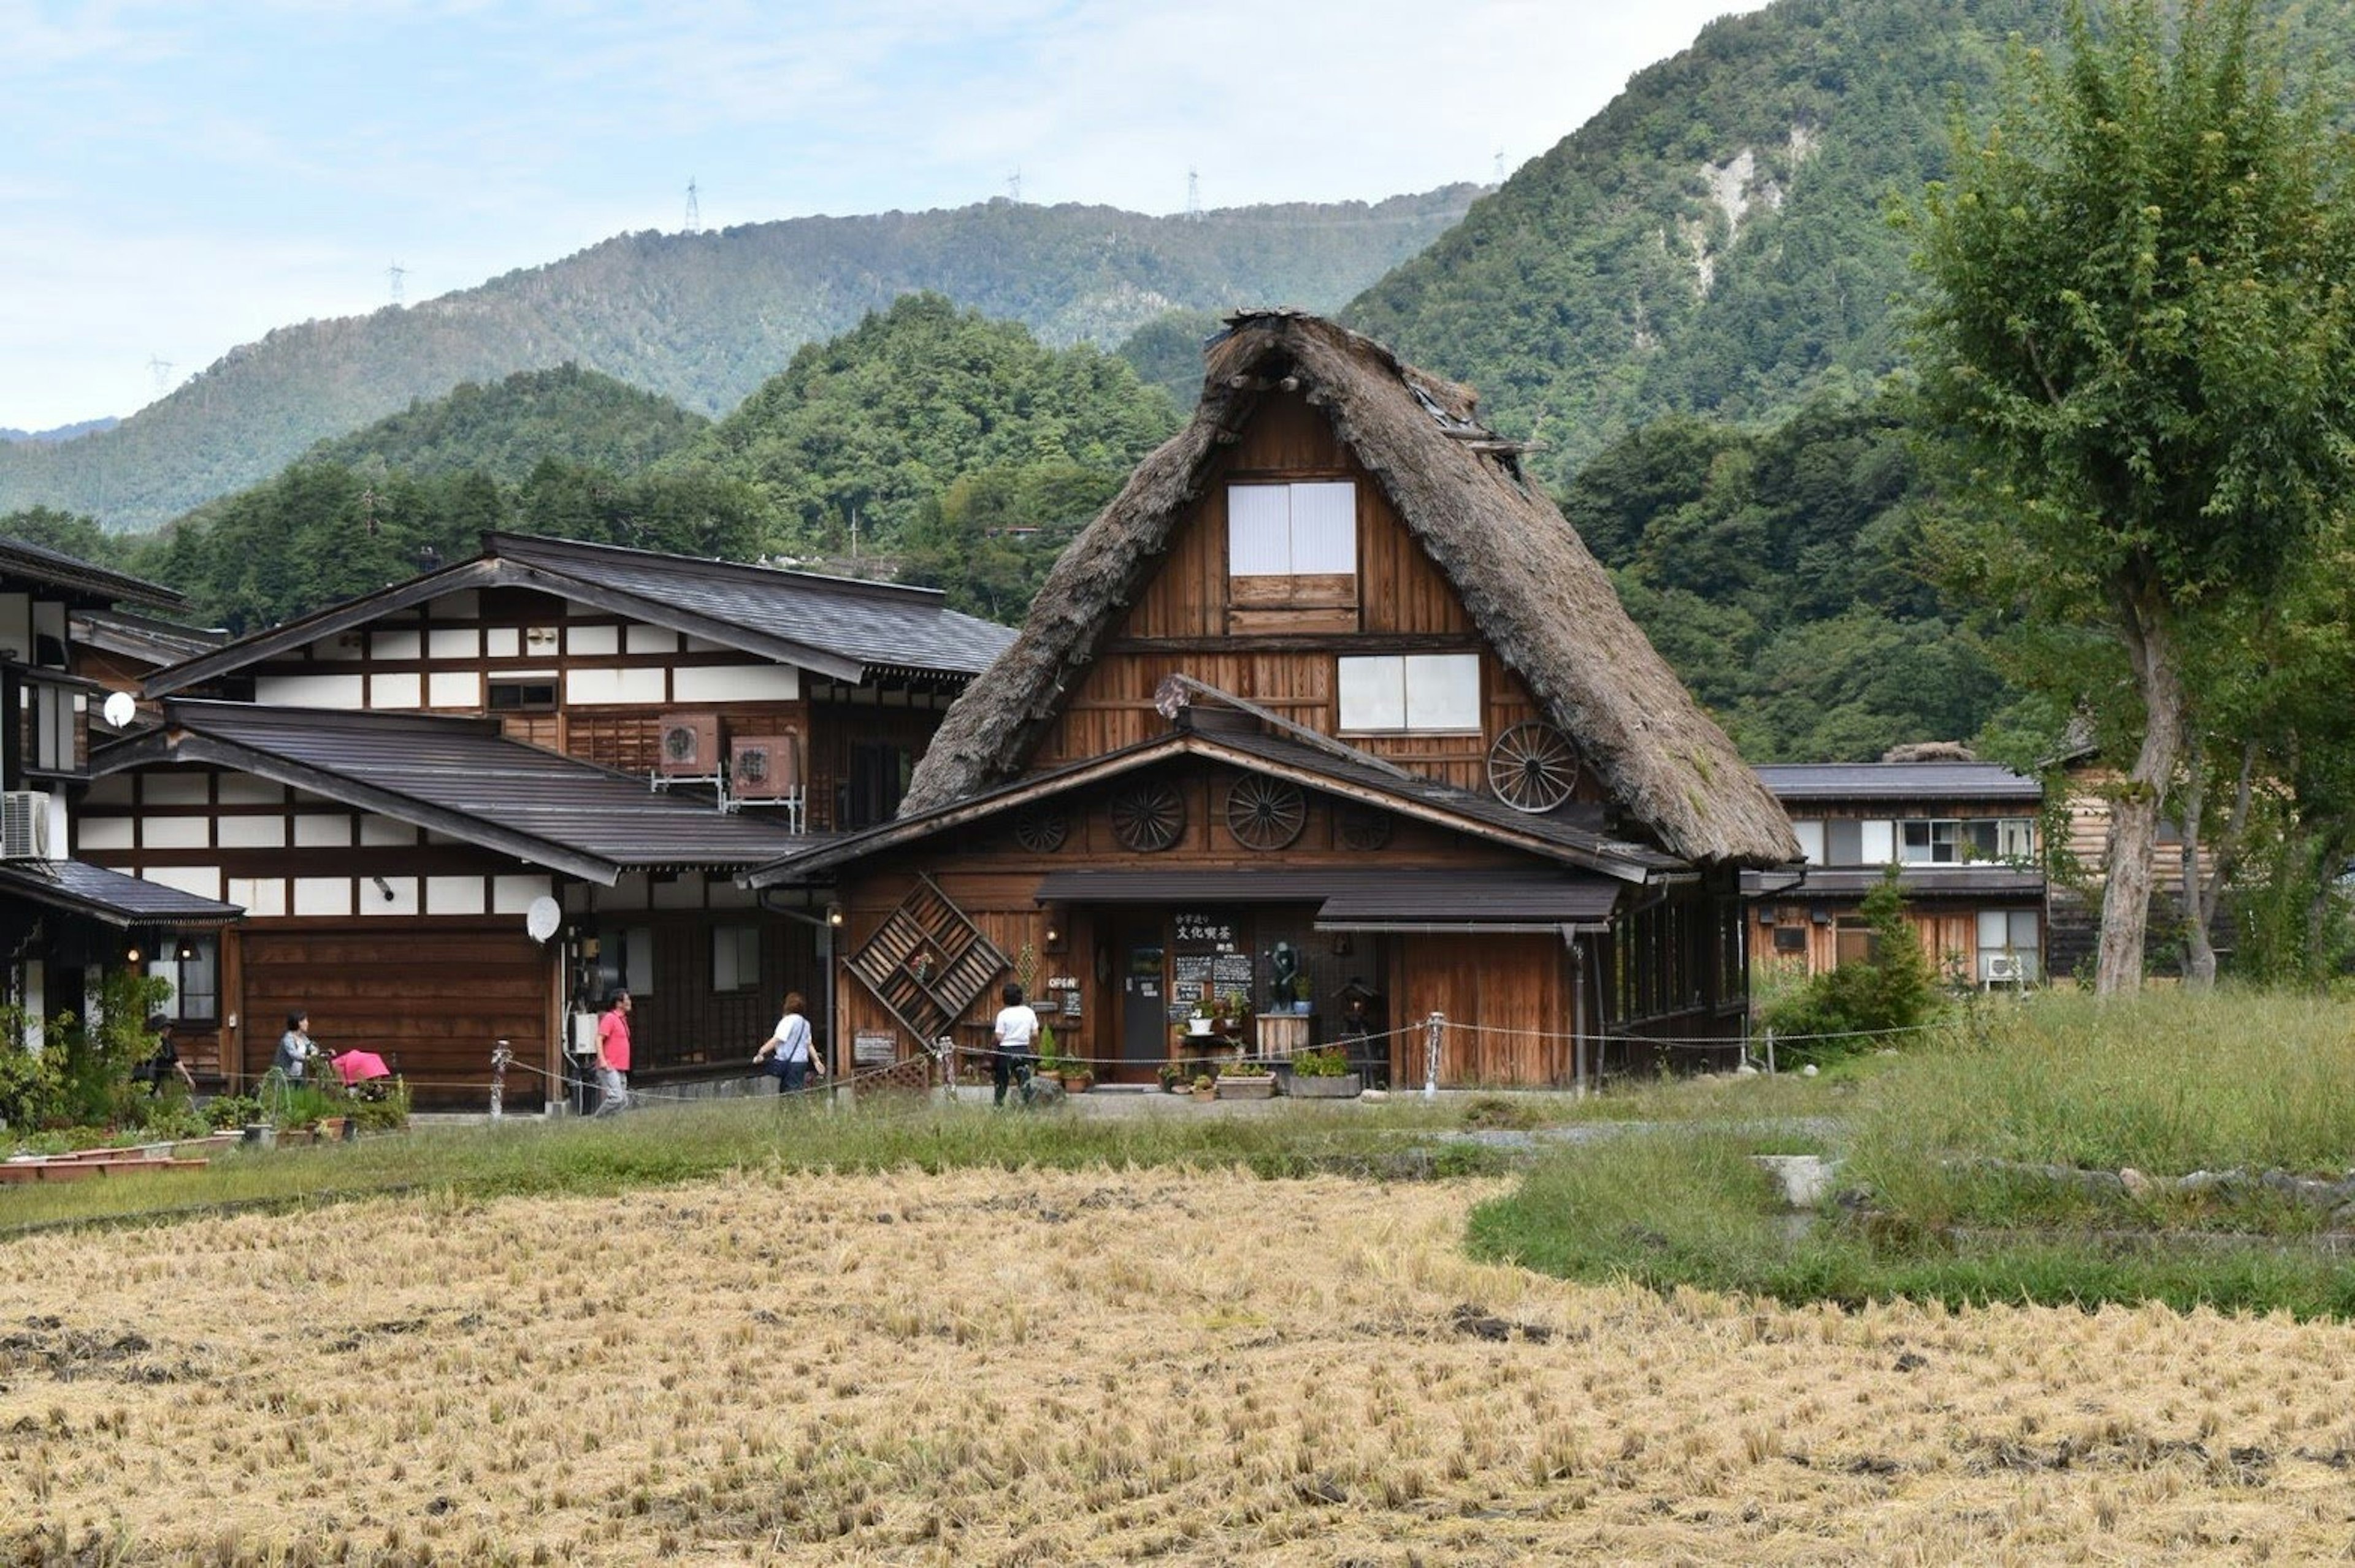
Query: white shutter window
[1258,531]
[1995,928]
[1880,843]
[1373,694]
[1443,691]
[1325,529]
[1811,841]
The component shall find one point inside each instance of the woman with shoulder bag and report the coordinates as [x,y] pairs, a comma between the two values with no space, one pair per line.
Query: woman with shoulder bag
[786,1055]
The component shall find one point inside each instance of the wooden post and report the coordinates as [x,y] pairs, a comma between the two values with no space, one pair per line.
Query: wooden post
[1770,1048]
[499,1060]
[1432,1026]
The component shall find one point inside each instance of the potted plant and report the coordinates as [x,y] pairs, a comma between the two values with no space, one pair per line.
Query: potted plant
[1078,1077]
[1247,1081]
[1173,1078]
[1303,994]
[1324,1074]
[1200,1023]
[1206,1082]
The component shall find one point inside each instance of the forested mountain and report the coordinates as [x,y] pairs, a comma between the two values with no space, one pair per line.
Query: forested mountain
[1715,240]
[965,451]
[704,318]
[509,427]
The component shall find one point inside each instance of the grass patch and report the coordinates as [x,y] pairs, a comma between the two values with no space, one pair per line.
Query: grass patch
[1946,1143]
[662,1147]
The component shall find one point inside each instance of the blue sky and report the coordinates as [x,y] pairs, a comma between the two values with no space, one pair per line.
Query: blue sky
[178,178]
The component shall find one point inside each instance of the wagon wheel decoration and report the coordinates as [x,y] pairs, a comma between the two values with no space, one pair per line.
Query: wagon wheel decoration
[1265,814]
[1149,817]
[1532,767]
[1041,832]
[1364,829]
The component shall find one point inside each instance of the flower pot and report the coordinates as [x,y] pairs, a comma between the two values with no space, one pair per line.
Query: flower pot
[1259,1088]
[1302,1007]
[1077,1083]
[1348,1086]
[1198,1028]
[1208,1092]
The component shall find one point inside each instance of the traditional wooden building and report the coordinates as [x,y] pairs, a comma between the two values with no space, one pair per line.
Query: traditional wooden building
[390,784]
[1965,837]
[1330,701]
[64,923]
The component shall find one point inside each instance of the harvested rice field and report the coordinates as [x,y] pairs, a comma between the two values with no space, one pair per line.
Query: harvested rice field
[985,1368]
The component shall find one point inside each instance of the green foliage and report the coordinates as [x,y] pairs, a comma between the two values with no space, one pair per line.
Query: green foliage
[703,319]
[224,1111]
[872,426]
[1167,353]
[1329,1061]
[509,427]
[30,1080]
[1775,569]
[1893,990]
[66,532]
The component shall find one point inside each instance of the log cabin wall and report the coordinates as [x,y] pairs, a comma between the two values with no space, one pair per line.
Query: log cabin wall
[1194,618]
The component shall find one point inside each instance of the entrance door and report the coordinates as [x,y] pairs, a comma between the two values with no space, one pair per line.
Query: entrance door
[1144,1005]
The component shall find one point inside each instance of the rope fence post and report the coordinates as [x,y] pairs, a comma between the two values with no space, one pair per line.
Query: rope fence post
[500,1056]
[1770,1051]
[1431,1027]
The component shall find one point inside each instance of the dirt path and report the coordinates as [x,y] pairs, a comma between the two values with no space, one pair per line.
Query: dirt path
[990,1369]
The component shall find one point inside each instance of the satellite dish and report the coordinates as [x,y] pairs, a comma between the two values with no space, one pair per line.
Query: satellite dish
[542,918]
[119,709]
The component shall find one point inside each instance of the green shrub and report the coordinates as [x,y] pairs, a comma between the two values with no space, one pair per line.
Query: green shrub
[1331,1061]
[1861,1006]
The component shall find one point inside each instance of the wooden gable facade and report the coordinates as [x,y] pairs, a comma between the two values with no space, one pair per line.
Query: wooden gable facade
[1318,780]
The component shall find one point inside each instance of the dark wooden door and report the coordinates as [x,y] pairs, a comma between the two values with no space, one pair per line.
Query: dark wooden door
[1143,1004]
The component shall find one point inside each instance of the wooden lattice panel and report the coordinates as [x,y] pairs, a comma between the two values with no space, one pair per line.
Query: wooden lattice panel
[927,963]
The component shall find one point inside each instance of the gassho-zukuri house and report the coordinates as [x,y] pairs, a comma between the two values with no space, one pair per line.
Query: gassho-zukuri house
[1329,707]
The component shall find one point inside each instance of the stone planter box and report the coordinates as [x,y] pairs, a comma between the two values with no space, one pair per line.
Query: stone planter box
[1263,1088]
[1349,1086]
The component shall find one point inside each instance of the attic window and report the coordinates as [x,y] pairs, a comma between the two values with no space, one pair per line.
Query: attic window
[1291,530]
[1411,693]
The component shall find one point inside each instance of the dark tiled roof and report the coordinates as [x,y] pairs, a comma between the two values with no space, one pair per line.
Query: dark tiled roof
[143,636]
[1439,895]
[882,625]
[109,896]
[462,777]
[71,574]
[1926,783]
[1255,751]
[839,627]
[1918,882]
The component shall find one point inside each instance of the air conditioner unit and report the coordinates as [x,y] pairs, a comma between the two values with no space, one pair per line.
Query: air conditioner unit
[2003,969]
[24,824]
[764,767]
[688,745]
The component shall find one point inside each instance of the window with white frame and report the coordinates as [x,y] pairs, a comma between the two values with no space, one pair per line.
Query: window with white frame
[735,958]
[2010,949]
[1413,693]
[1810,834]
[1952,842]
[1307,530]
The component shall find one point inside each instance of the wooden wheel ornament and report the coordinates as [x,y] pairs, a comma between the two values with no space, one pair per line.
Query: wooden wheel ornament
[1149,817]
[1265,814]
[1533,767]
[1363,829]
[1041,831]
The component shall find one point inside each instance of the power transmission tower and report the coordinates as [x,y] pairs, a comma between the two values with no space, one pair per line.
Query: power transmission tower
[1014,185]
[694,210]
[161,368]
[393,275]
[1193,193]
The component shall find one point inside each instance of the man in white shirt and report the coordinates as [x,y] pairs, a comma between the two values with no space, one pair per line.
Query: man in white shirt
[1017,1034]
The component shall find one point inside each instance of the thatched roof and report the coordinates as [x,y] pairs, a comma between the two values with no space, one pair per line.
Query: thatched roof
[1544,602]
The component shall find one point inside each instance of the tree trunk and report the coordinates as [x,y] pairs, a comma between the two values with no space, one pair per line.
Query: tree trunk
[2199,951]
[2134,819]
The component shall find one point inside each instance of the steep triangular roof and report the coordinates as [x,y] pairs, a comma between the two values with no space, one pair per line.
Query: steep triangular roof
[1542,600]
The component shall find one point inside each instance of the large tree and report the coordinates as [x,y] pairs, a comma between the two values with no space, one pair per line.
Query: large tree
[2136,321]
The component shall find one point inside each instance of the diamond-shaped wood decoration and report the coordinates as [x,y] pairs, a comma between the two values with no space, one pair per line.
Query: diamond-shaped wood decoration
[927,964]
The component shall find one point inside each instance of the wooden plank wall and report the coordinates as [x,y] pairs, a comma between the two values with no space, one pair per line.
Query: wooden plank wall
[1180,623]
[1515,989]
[434,1000]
